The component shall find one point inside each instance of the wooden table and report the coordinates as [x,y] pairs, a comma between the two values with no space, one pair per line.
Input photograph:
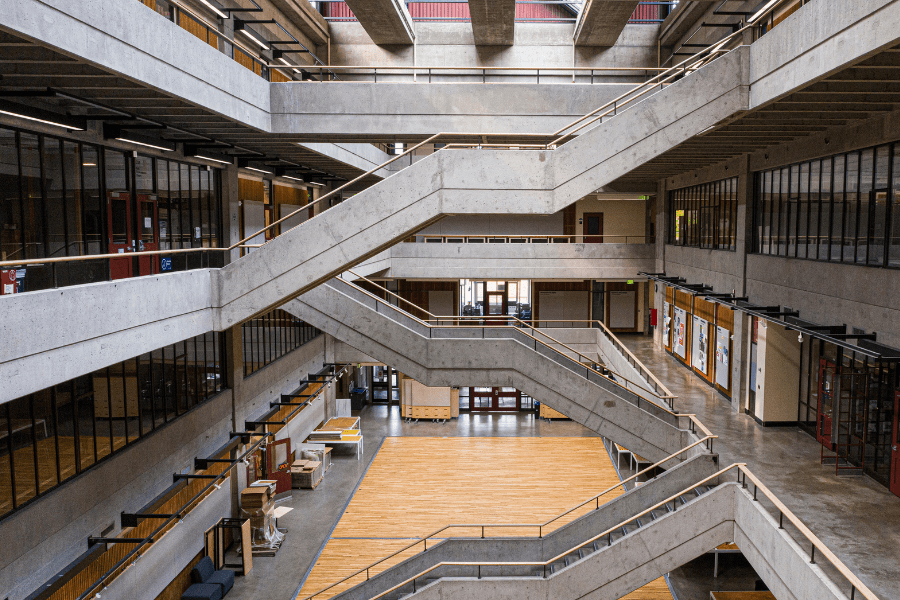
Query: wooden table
[354,440]
[20,425]
[724,549]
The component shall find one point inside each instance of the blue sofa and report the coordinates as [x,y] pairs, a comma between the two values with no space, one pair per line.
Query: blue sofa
[207,583]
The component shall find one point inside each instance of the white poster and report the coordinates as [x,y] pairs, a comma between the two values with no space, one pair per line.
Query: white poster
[723,343]
[679,331]
[667,325]
[700,345]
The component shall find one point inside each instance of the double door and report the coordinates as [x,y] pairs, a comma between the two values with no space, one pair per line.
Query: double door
[494,399]
[895,448]
[132,227]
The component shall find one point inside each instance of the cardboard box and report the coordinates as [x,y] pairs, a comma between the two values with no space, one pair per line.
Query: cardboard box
[306,476]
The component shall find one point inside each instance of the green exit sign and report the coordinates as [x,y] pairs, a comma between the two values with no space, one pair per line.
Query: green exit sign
[645,197]
[630,281]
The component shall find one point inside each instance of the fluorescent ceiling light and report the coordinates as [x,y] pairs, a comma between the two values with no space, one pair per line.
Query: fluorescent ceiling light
[224,162]
[21,116]
[287,63]
[88,164]
[294,178]
[314,183]
[214,9]
[261,45]
[121,139]
[762,11]
[258,170]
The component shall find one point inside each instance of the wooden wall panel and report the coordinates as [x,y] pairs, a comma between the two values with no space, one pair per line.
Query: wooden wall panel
[670,295]
[569,214]
[705,310]
[554,286]
[249,189]
[725,317]
[684,300]
[277,76]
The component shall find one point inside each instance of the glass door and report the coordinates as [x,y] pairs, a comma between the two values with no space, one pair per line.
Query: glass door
[121,239]
[148,240]
[827,375]
[494,399]
[895,448]
[496,305]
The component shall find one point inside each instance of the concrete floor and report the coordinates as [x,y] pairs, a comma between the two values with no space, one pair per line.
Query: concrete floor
[856,517]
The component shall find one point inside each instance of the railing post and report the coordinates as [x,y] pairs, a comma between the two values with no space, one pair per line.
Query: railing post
[482,532]
[812,555]
[367,573]
[780,520]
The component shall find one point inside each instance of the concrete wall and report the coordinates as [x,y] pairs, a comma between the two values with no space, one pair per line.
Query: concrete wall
[620,217]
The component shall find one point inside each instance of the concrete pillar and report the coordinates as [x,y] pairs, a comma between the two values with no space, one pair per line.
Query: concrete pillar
[493,22]
[231,211]
[386,21]
[601,22]
[234,369]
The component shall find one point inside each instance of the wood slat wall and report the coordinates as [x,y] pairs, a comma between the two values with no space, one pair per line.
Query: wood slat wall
[249,189]
[245,60]
[417,293]
[277,76]
[569,217]
[554,286]
[92,571]
[282,194]
[705,310]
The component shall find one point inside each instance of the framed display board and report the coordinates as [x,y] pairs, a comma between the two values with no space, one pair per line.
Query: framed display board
[679,332]
[667,326]
[723,355]
[700,345]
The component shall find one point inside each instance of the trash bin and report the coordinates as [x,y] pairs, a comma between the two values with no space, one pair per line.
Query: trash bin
[357,398]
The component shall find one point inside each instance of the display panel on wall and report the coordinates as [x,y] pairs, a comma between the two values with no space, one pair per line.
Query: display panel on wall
[700,345]
[667,325]
[723,351]
[679,332]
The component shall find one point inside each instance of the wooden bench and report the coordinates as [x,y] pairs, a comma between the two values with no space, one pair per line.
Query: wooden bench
[741,596]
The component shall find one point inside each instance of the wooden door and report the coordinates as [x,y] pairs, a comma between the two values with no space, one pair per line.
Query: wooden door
[148,240]
[593,228]
[121,238]
[827,396]
[895,448]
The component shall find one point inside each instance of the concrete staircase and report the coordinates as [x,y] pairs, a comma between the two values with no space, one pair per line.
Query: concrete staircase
[496,356]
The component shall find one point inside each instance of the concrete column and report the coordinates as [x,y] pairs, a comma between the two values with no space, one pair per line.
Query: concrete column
[601,22]
[234,369]
[231,211]
[386,21]
[493,22]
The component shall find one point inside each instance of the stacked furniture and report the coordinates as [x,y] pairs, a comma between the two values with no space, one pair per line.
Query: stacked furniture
[339,431]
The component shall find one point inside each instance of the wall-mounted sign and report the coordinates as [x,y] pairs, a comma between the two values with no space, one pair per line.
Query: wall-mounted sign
[700,345]
[679,331]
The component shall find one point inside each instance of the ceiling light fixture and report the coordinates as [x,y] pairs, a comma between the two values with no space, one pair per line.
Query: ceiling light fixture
[44,121]
[155,147]
[88,164]
[224,162]
[294,178]
[288,64]
[247,34]
[258,170]
[214,9]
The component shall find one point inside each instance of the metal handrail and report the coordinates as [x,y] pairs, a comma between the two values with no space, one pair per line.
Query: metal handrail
[665,399]
[540,526]
[445,236]
[816,543]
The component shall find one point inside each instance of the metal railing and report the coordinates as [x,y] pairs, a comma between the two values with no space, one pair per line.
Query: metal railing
[815,543]
[481,75]
[483,527]
[492,238]
[435,322]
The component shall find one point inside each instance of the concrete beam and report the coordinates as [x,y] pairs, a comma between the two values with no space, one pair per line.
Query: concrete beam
[493,22]
[601,22]
[386,21]
[306,18]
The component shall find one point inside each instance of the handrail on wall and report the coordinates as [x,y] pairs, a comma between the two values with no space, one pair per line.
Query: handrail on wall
[539,526]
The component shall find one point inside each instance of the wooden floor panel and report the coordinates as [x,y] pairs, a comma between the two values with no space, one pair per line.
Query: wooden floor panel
[418,485]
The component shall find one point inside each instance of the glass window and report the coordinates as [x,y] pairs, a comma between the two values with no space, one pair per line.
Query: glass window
[703,215]
[793,212]
[866,173]
[894,251]
[802,233]
[11,247]
[815,204]
[839,207]
[878,201]
[851,206]
[825,212]
[92,223]
[33,205]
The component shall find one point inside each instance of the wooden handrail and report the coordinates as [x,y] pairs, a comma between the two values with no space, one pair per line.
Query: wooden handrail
[540,526]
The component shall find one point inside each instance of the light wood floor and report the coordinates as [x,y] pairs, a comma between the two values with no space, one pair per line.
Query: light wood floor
[418,485]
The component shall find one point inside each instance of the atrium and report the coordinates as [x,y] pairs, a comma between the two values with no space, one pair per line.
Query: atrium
[449,299]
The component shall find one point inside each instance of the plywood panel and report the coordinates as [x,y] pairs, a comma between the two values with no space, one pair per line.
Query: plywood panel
[417,485]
